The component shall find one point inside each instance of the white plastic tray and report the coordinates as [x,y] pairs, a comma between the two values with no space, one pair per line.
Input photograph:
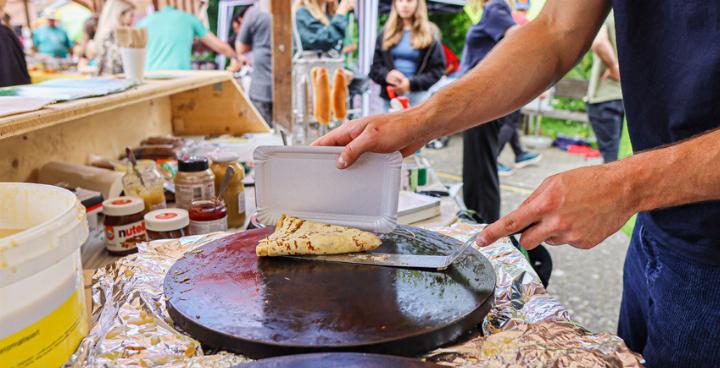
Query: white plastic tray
[303,181]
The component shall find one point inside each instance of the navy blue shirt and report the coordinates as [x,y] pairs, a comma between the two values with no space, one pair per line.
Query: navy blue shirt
[486,33]
[669,54]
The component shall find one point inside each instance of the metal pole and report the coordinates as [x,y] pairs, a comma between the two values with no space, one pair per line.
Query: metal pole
[367,20]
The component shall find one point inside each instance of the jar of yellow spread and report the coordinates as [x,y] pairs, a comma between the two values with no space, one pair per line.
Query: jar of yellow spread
[234,196]
[152,192]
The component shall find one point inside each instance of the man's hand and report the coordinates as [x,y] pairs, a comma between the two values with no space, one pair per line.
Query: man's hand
[380,133]
[612,72]
[579,207]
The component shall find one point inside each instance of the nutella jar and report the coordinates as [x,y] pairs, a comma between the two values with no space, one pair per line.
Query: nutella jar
[208,217]
[124,225]
[194,181]
[170,223]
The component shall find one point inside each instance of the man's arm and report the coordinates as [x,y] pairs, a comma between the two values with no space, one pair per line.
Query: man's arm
[548,47]
[584,206]
[602,47]
[214,43]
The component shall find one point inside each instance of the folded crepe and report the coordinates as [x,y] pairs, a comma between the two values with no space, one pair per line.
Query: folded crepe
[294,236]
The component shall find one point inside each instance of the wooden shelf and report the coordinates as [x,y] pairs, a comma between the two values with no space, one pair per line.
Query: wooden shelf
[191,103]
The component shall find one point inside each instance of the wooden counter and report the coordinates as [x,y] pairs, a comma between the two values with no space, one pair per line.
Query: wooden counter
[189,103]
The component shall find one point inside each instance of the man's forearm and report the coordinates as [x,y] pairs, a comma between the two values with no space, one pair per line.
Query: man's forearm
[523,65]
[683,173]
[604,50]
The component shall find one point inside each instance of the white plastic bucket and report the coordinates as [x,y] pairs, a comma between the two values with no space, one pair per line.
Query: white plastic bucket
[42,303]
[133,63]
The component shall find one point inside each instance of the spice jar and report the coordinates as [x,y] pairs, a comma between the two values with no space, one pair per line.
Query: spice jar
[152,193]
[194,181]
[234,195]
[124,225]
[207,217]
[170,223]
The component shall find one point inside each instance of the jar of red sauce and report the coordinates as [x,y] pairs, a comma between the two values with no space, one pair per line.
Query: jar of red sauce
[167,223]
[207,216]
[124,225]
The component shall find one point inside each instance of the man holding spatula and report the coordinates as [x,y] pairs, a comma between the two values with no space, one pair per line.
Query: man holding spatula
[670,62]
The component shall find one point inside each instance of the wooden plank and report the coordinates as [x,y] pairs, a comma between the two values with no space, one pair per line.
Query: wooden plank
[14,125]
[105,134]
[221,108]
[571,88]
[282,63]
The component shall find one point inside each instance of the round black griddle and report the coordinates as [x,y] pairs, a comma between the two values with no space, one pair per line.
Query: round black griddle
[226,297]
[338,360]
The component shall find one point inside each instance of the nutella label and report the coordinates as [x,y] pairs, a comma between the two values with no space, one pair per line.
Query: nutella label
[186,194]
[206,227]
[241,202]
[124,237]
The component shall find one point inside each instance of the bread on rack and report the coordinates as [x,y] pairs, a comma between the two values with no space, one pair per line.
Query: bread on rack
[321,93]
[339,95]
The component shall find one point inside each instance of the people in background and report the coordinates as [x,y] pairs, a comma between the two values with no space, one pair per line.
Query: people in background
[407,56]
[13,69]
[170,37]
[605,106]
[86,48]
[255,34]
[115,13]
[321,24]
[481,146]
[236,24]
[51,39]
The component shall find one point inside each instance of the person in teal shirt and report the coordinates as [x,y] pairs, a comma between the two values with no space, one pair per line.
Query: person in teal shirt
[171,33]
[52,40]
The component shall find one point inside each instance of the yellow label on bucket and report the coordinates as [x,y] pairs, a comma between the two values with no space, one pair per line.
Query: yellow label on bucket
[50,341]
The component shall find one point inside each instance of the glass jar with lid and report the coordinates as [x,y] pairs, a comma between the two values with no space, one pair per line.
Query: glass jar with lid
[234,195]
[153,192]
[169,223]
[194,181]
[207,216]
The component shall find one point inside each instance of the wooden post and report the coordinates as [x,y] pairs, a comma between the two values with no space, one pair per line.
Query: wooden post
[282,63]
[27,15]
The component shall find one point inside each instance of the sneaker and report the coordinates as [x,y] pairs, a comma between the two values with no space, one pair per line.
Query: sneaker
[526,159]
[504,170]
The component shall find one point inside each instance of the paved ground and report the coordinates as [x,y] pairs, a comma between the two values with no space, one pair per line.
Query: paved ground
[588,282]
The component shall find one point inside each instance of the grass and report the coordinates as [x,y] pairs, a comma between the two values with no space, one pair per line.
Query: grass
[625,151]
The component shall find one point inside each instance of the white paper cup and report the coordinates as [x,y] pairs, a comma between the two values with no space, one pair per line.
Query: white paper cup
[133,63]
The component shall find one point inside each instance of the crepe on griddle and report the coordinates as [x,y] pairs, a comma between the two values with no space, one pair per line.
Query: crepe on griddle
[294,236]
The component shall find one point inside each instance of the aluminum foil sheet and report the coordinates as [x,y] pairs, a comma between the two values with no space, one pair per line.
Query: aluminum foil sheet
[526,327]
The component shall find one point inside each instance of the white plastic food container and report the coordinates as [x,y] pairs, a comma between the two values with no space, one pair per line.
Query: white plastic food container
[42,302]
[303,181]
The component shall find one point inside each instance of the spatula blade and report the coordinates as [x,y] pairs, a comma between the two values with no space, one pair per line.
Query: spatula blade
[383,259]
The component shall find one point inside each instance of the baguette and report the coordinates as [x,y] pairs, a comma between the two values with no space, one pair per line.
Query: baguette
[339,95]
[322,95]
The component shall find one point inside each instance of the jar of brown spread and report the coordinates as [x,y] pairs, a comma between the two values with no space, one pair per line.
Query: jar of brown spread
[169,223]
[124,225]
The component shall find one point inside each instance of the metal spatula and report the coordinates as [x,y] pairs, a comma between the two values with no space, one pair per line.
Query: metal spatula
[438,263]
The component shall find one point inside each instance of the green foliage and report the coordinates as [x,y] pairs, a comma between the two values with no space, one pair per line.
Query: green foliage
[453,27]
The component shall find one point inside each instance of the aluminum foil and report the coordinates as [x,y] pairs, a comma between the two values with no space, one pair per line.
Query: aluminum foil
[131,326]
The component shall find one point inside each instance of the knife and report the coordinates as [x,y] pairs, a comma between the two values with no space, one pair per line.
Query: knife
[437,263]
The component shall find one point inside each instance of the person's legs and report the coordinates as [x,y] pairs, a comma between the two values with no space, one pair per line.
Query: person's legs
[509,133]
[481,186]
[606,119]
[670,311]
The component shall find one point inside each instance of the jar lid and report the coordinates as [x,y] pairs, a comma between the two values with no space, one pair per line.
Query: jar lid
[123,206]
[193,164]
[167,219]
[224,157]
